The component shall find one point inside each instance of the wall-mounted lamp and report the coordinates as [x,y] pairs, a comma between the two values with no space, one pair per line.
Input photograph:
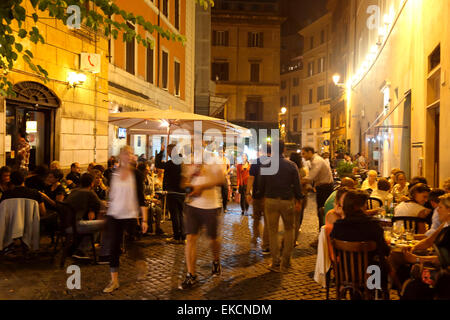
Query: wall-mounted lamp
[336,79]
[283,110]
[75,79]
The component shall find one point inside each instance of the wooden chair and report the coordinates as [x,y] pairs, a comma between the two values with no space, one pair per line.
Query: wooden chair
[412,223]
[374,203]
[350,267]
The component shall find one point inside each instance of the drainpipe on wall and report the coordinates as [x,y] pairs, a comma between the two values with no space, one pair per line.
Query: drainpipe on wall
[159,40]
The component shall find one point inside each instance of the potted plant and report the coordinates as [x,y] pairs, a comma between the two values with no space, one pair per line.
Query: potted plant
[345,169]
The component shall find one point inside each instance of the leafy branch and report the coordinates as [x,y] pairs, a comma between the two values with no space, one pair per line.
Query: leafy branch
[99,20]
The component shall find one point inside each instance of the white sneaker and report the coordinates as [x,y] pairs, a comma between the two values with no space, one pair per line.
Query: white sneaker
[113,285]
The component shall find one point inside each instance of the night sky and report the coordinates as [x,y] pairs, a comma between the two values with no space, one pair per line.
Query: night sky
[300,13]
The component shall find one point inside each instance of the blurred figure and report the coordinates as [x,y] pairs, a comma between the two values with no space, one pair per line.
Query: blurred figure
[54,165]
[348,158]
[127,205]
[243,171]
[112,164]
[23,153]
[256,197]
[298,219]
[347,182]
[90,168]
[446,185]
[175,196]
[203,208]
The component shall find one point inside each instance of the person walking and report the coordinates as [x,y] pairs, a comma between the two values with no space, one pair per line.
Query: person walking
[243,171]
[320,174]
[175,196]
[126,206]
[256,198]
[280,190]
[297,159]
[203,208]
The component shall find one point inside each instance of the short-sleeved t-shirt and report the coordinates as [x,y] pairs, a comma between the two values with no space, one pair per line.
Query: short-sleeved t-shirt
[255,171]
[22,192]
[329,204]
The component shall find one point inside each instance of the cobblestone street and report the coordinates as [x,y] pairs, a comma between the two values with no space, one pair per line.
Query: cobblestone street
[244,275]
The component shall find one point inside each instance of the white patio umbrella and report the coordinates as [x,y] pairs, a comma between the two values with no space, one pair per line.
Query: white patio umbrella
[157,121]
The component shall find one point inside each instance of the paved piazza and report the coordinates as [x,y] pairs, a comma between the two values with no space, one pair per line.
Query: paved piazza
[244,275]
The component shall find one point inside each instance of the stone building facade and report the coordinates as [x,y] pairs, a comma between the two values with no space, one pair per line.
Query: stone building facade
[63,122]
[246,61]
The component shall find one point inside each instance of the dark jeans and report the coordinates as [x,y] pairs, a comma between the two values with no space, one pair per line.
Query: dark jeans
[244,204]
[224,188]
[323,192]
[49,224]
[299,219]
[175,204]
[154,217]
[113,239]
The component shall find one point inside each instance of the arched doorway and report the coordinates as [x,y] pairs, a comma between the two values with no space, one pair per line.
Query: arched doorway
[31,111]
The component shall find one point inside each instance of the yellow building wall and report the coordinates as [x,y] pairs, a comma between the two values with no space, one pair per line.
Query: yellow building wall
[81,133]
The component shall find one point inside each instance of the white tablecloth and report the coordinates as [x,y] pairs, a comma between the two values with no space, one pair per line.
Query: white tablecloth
[323,262]
[19,218]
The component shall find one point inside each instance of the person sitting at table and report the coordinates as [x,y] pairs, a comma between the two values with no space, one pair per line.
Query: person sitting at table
[73,177]
[370,183]
[99,187]
[358,226]
[392,179]
[441,237]
[400,191]
[415,207]
[446,185]
[336,213]
[18,190]
[434,201]
[86,205]
[37,179]
[331,201]
[382,192]
[54,191]
[5,179]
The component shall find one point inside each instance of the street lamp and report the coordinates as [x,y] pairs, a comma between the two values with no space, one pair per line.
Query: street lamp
[281,125]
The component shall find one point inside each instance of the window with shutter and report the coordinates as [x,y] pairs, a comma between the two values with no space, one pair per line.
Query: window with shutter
[261,40]
[219,71]
[310,96]
[130,53]
[165,69]
[254,109]
[165,8]
[177,78]
[150,55]
[177,14]
[254,72]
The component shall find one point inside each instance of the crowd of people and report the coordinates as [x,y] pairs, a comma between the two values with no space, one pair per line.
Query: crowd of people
[128,197]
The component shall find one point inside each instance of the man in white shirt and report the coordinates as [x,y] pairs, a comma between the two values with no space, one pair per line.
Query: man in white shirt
[320,174]
[434,201]
[203,207]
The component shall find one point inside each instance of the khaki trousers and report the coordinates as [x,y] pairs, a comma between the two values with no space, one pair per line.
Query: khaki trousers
[273,209]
